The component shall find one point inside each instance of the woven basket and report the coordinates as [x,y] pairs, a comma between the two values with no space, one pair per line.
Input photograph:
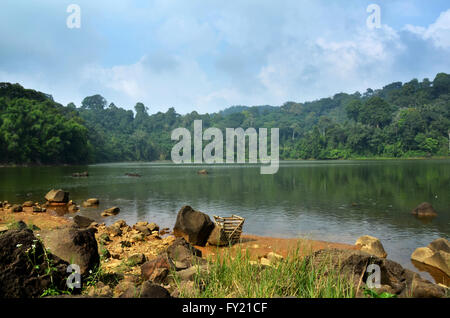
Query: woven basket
[231,227]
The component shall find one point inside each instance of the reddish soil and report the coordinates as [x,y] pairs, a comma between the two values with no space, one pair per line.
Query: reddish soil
[260,246]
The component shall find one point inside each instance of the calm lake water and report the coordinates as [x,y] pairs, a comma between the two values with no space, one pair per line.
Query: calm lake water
[326,200]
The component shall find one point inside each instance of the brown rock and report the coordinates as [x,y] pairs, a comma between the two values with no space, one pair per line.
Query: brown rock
[157,269]
[151,290]
[194,226]
[28,204]
[435,255]
[94,202]
[57,196]
[111,211]
[425,209]
[371,245]
[217,237]
[15,208]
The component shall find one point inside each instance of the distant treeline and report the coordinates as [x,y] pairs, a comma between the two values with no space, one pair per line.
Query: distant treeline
[400,120]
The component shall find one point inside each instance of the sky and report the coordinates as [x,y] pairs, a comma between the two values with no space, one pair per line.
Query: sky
[207,55]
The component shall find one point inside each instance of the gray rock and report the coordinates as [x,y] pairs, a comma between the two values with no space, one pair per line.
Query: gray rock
[76,246]
[151,290]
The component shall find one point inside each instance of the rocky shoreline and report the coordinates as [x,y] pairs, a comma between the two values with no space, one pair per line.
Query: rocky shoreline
[143,260]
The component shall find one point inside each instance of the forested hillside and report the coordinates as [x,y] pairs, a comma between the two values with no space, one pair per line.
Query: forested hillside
[400,120]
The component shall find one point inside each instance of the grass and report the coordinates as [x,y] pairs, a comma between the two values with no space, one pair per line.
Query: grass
[295,276]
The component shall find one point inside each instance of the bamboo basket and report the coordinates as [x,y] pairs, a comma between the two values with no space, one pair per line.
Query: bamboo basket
[231,227]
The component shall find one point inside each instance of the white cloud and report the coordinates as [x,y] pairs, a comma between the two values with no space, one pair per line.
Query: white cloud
[438,32]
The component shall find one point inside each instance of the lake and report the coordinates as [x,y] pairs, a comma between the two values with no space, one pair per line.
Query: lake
[326,200]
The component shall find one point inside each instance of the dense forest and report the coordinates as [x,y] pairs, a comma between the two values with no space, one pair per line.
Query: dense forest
[400,120]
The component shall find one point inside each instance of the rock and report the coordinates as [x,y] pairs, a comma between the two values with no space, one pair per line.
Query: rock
[150,290]
[217,237]
[73,245]
[136,259]
[20,225]
[38,209]
[194,226]
[274,257]
[351,264]
[184,255]
[436,254]
[203,171]
[425,209]
[143,229]
[111,211]
[57,196]
[15,208]
[126,289]
[94,202]
[28,204]
[114,230]
[157,269]
[440,244]
[153,227]
[80,174]
[371,245]
[82,221]
[19,277]
[73,208]
[266,262]
[120,224]
[100,290]
[133,175]
[191,272]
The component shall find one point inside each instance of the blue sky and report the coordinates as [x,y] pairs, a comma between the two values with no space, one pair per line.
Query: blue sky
[208,55]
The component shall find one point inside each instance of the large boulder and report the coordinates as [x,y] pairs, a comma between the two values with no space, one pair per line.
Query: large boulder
[57,196]
[76,246]
[218,237]
[352,265]
[371,245]
[436,254]
[24,266]
[424,209]
[194,226]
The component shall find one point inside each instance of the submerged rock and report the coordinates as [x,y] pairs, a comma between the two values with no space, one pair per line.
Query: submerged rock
[424,209]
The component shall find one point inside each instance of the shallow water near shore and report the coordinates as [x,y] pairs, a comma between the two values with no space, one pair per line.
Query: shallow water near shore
[335,201]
